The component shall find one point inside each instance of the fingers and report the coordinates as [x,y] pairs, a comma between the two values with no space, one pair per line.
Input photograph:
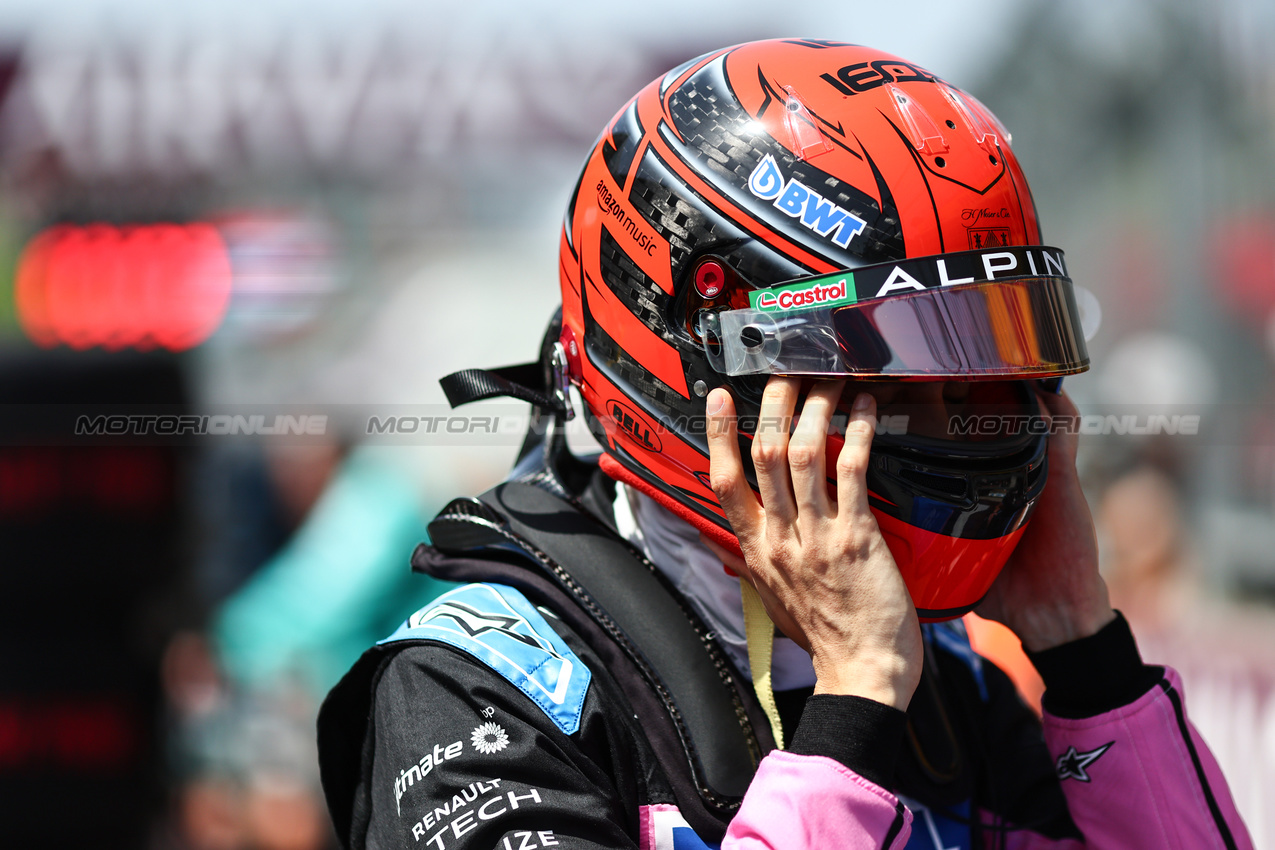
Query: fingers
[852,464]
[807,449]
[770,448]
[726,469]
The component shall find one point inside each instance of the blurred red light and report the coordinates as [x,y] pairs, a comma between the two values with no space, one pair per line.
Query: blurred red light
[163,285]
[86,734]
[1244,250]
[29,289]
[130,483]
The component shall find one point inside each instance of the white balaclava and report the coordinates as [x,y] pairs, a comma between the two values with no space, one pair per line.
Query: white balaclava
[674,546]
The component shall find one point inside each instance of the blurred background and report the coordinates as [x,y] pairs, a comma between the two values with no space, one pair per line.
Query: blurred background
[313,210]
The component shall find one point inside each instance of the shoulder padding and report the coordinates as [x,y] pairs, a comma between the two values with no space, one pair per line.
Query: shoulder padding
[498,626]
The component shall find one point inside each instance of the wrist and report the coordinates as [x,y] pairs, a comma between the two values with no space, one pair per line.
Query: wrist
[862,734]
[1093,675]
[888,680]
[1047,626]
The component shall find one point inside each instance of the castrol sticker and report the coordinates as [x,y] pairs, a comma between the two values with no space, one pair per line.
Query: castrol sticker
[831,291]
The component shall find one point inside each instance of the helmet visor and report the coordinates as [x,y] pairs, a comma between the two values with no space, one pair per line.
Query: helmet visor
[1002,326]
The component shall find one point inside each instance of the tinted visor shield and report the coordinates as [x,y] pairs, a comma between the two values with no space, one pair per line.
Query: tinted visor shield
[1002,326]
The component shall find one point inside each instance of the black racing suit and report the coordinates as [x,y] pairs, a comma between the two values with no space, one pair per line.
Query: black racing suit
[518,713]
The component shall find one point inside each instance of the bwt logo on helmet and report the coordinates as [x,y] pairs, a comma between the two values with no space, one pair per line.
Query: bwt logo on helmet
[805,204]
[635,425]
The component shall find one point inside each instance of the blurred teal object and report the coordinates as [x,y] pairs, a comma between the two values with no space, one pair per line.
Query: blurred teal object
[340,584]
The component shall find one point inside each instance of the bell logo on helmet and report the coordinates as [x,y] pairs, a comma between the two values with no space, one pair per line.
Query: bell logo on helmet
[635,425]
[803,203]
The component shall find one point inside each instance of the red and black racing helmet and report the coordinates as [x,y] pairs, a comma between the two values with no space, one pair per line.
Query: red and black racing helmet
[802,207]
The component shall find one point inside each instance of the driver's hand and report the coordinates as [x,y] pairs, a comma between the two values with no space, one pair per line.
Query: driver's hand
[1050,591]
[819,564]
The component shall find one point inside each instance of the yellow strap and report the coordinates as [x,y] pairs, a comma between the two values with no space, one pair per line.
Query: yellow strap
[761,641]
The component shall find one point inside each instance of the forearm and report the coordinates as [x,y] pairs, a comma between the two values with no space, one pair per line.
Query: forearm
[1133,768]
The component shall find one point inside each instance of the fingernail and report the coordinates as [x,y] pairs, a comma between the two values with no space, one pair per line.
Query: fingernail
[716,400]
[862,400]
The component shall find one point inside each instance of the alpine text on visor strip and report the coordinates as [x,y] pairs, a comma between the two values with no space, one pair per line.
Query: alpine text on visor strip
[1009,312]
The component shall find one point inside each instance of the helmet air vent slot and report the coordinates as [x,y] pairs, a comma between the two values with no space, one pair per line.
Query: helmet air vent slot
[948,485]
[806,139]
[921,129]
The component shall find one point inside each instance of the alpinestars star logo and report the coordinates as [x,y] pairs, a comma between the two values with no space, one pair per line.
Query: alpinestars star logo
[1072,764]
[476,622]
[489,738]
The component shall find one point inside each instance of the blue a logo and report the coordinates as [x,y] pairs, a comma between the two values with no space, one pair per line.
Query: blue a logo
[498,626]
[804,204]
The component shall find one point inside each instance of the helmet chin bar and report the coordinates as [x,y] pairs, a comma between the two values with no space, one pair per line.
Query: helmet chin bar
[952,510]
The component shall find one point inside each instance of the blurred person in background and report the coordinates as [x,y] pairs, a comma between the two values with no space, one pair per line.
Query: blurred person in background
[1224,646]
[1145,557]
[585,691]
[245,696]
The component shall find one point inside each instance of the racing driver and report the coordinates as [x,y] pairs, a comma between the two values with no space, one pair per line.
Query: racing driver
[793,273]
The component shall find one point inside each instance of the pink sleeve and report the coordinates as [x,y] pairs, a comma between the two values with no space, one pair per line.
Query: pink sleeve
[1141,776]
[801,802]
